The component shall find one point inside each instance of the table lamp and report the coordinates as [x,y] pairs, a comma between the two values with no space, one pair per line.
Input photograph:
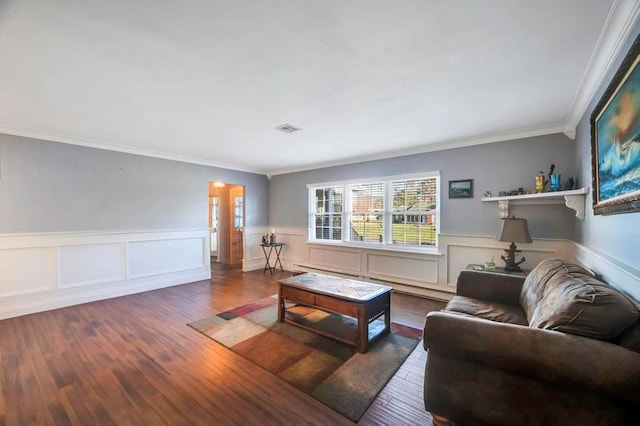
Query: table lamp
[514,230]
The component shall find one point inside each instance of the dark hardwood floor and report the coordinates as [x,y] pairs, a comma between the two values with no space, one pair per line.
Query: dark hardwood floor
[133,360]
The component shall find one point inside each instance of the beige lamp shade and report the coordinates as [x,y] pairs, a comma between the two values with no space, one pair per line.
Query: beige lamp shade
[514,230]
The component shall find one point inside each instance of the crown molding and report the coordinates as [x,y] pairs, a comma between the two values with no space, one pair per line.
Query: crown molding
[437,146]
[89,143]
[621,20]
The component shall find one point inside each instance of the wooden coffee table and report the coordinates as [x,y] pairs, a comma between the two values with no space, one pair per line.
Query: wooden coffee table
[366,302]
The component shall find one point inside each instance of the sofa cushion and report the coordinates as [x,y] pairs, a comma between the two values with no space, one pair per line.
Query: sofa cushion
[561,296]
[630,338]
[535,285]
[488,310]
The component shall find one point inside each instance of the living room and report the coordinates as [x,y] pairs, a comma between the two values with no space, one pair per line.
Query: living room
[96,207]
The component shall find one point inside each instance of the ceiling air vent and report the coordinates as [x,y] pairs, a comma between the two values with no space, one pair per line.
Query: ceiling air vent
[288,128]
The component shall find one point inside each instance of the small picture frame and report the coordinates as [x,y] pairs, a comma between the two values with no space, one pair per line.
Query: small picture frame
[461,188]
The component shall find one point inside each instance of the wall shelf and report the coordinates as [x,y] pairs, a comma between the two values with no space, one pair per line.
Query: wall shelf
[573,199]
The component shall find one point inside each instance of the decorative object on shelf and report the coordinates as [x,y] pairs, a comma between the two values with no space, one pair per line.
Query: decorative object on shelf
[461,188]
[514,230]
[569,185]
[573,199]
[519,191]
[487,194]
[269,239]
[552,167]
[540,182]
[615,140]
[490,265]
[555,182]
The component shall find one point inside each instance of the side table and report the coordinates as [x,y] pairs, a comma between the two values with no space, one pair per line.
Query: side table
[277,247]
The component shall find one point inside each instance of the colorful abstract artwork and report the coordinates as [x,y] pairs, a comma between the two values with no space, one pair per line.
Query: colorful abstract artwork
[615,128]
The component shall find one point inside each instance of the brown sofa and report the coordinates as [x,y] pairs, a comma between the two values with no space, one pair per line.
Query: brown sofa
[560,347]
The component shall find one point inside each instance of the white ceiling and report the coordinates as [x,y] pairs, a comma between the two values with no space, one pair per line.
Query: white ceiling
[207,81]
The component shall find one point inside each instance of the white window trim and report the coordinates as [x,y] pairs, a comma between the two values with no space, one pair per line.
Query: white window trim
[387,215]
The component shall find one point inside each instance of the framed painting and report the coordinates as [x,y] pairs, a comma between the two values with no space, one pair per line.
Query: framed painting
[615,141]
[461,188]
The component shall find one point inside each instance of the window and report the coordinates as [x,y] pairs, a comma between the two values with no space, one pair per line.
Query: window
[238,211]
[327,213]
[400,211]
[215,209]
[413,212]
[367,211]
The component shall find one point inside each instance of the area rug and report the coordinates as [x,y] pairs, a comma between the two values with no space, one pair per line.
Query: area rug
[328,370]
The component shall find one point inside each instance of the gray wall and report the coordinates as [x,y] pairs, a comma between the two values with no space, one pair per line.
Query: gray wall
[49,187]
[497,166]
[617,236]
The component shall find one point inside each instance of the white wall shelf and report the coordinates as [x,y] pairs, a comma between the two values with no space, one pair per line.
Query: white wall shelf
[573,199]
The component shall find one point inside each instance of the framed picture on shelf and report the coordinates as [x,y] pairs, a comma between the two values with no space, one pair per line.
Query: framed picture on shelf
[461,188]
[615,141]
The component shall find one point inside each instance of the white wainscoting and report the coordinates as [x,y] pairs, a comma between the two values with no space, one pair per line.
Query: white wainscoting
[39,272]
[617,274]
[459,251]
[429,274]
[253,256]
[432,275]
[293,251]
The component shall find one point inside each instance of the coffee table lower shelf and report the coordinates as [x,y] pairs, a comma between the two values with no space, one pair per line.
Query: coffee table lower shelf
[336,326]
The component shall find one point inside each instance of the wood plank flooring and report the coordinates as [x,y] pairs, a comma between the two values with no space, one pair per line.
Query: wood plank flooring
[133,360]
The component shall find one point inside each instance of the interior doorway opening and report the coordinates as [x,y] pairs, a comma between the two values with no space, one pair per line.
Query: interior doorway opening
[227,222]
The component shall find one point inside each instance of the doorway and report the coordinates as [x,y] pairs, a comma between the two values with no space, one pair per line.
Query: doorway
[226,222]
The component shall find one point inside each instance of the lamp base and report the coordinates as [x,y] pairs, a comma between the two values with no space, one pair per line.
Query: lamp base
[515,268]
[509,258]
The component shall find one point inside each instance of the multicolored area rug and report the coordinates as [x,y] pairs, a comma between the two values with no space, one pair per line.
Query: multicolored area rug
[330,371]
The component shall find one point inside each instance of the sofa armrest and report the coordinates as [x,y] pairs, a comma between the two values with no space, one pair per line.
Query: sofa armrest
[544,355]
[489,286]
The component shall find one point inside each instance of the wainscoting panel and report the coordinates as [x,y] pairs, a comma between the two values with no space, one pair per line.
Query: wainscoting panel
[294,251]
[296,247]
[412,269]
[338,259]
[27,270]
[45,271]
[253,256]
[162,256]
[90,263]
